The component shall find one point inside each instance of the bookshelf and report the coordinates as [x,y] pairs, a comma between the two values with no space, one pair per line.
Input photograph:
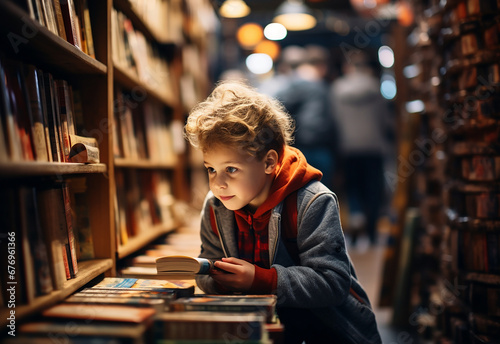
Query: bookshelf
[454,47]
[152,108]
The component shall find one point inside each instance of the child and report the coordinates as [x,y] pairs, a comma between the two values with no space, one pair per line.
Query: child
[247,217]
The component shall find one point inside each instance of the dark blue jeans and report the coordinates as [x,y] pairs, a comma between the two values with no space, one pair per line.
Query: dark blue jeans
[364,182]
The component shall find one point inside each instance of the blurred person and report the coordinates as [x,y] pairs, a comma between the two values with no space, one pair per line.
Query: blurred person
[290,58]
[365,124]
[301,87]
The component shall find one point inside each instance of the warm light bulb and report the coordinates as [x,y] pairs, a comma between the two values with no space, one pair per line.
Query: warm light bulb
[249,35]
[234,9]
[294,16]
[296,21]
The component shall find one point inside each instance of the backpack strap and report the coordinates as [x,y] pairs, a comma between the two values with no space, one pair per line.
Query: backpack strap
[289,227]
[213,224]
[289,232]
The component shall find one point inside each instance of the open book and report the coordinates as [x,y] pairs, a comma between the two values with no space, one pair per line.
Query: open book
[187,265]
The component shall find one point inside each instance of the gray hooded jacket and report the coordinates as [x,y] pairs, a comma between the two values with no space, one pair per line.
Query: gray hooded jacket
[325,281]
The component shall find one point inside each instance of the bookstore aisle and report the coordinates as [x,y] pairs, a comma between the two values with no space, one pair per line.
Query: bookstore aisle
[368,262]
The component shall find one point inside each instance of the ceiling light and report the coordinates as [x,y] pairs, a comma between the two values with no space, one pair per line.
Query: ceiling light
[294,16]
[275,31]
[234,9]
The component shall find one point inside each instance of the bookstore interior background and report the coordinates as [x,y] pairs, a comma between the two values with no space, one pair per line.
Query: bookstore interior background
[97,180]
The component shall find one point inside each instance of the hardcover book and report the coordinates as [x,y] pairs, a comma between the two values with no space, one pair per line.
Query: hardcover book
[262,304]
[181,288]
[209,326]
[127,293]
[105,299]
[116,313]
[83,332]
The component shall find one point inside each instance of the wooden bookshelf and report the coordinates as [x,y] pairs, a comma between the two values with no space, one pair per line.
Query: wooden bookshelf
[456,183]
[145,164]
[129,80]
[88,271]
[96,79]
[139,242]
[44,44]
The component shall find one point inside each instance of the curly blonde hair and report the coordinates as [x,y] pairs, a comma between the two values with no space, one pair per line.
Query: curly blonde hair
[237,115]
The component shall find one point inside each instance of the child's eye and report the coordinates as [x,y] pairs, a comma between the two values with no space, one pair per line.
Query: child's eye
[231,169]
[210,170]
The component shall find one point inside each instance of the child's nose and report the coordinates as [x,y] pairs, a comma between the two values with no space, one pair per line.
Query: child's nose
[220,181]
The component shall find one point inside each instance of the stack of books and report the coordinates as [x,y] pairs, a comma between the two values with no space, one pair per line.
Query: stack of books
[130,310]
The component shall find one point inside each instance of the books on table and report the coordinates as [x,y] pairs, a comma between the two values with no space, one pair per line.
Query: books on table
[261,304]
[180,288]
[213,326]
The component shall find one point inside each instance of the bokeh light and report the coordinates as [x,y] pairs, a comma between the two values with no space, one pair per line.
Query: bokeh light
[259,63]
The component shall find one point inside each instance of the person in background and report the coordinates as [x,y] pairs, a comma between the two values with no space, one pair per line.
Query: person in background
[365,125]
[258,185]
[303,89]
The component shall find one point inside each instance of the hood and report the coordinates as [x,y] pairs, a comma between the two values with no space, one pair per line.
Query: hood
[293,173]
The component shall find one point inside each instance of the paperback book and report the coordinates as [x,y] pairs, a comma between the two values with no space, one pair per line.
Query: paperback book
[179,264]
[97,312]
[181,288]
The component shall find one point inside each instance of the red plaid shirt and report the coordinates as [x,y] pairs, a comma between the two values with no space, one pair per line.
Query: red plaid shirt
[253,238]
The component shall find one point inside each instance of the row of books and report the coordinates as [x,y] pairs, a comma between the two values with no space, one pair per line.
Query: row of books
[132,51]
[143,200]
[48,231]
[478,201]
[142,128]
[69,19]
[164,18]
[476,251]
[156,311]
[39,117]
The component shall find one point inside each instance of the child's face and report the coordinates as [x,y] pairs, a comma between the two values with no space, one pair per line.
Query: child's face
[236,178]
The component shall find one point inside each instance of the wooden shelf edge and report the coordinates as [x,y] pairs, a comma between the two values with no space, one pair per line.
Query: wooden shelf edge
[138,242]
[129,80]
[145,164]
[481,277]
[36,168]
[88,270]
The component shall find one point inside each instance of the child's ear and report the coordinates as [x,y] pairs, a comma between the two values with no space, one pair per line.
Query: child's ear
[271,161]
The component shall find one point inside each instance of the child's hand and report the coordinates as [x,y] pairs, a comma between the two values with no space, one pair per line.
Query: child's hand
[240,274]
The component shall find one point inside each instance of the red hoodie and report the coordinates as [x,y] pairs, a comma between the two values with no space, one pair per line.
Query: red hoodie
[292,174]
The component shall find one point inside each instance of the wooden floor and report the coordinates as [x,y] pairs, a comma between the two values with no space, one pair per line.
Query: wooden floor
[368,263]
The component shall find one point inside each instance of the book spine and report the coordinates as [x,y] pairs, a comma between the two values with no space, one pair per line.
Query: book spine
[50,216]
[62,90]
[43,99]
[52,102]
[35,110]
[70,232]
[59,19]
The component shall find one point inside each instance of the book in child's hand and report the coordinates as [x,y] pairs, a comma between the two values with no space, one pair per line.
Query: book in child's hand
[180,265]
